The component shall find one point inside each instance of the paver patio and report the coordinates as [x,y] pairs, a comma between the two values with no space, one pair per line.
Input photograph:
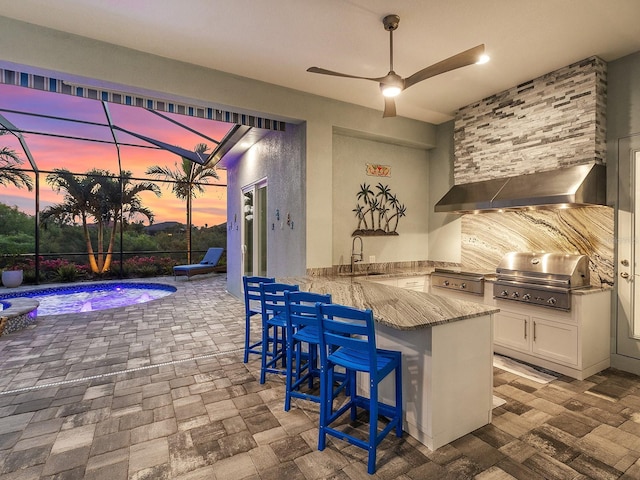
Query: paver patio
[158,390]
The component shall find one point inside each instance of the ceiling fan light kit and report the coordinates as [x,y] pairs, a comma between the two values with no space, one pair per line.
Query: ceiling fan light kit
[392,84]
[390,91]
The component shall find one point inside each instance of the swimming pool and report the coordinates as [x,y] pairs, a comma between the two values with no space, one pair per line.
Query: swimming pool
[91,297]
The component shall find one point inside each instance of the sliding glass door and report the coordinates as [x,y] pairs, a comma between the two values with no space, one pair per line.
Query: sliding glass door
[254,229]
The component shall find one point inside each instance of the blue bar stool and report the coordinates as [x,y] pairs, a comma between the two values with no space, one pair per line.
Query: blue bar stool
[251,286]
[348,340]
[302,328]
[273,327]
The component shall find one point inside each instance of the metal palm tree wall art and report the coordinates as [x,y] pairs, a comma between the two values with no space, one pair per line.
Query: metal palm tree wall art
[379,212]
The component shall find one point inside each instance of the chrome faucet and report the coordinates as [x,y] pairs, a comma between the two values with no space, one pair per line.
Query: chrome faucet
[356,257]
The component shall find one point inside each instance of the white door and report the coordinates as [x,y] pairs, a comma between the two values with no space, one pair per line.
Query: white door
[555,341]
[628,236]
[254,229]
[511,330]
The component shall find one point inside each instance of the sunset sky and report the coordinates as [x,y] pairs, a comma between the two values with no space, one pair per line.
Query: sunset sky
[80,156]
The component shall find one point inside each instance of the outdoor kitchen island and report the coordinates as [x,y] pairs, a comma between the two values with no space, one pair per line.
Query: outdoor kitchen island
[447,353]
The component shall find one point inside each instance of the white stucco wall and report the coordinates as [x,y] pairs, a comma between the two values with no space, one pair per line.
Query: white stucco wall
[445,231]
[278,158]
[409,181]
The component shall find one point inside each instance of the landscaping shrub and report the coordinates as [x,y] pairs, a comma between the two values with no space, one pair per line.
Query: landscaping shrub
[67,273]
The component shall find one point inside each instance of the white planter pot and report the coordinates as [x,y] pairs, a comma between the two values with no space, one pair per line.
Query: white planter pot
[12,278]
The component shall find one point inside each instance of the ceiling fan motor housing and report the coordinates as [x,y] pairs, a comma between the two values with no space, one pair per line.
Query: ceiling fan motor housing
[391,22]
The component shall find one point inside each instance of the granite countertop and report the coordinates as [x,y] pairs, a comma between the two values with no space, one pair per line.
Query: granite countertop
[394,307]
[389,273]
[591,290]
[427,271]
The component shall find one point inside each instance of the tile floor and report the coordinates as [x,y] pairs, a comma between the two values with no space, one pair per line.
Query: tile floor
[159,391]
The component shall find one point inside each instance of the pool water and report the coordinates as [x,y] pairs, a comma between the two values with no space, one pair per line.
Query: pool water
[89,298]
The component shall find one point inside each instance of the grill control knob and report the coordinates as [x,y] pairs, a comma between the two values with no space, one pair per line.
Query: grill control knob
[526,296]
[504,293]
[515,295]
[463,285]
[446,283]
[552,301]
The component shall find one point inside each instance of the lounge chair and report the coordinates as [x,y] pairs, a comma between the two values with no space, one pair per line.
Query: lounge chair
[207,265]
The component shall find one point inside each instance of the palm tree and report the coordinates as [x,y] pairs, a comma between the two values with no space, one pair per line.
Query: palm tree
[385,192]
[120,200]
[361,219]
[76,203]
[401,211]
[9,174]
[187,179]
[368,198]
[382,213]
[103,197]
[393,201]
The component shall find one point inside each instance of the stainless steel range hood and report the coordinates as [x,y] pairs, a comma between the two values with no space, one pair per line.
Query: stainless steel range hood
[579,185]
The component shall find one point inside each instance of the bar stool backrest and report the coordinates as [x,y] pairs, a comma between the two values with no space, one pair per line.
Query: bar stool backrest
[251,287]
[272,298]
[347,327]
[301,308]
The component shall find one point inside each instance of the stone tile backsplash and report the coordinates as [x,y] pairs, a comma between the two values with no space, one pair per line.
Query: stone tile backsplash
[555,120]
[588,231]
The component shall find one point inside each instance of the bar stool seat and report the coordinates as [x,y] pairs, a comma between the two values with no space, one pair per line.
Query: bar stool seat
[348,340]
[302,332]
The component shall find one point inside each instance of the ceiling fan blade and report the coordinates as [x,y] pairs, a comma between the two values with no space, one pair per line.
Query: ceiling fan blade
[389,107]
[324,71]
[463,59]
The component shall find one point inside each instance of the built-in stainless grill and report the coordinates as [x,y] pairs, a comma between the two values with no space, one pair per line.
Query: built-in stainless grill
[544,279]
[453,279]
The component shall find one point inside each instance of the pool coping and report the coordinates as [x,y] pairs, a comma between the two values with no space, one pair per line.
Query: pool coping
[73,287]
[18,315]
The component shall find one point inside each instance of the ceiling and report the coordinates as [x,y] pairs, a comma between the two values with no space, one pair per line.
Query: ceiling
[276,41]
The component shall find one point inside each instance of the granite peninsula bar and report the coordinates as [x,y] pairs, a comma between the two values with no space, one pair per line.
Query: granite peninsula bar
[447,353]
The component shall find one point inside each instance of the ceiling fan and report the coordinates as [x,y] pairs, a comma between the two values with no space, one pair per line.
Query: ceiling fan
[392,84]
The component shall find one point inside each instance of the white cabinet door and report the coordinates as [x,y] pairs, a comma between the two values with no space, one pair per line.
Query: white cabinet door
[511,330]
[555,341]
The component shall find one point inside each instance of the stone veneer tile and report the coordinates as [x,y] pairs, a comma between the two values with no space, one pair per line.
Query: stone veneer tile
[555,120]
